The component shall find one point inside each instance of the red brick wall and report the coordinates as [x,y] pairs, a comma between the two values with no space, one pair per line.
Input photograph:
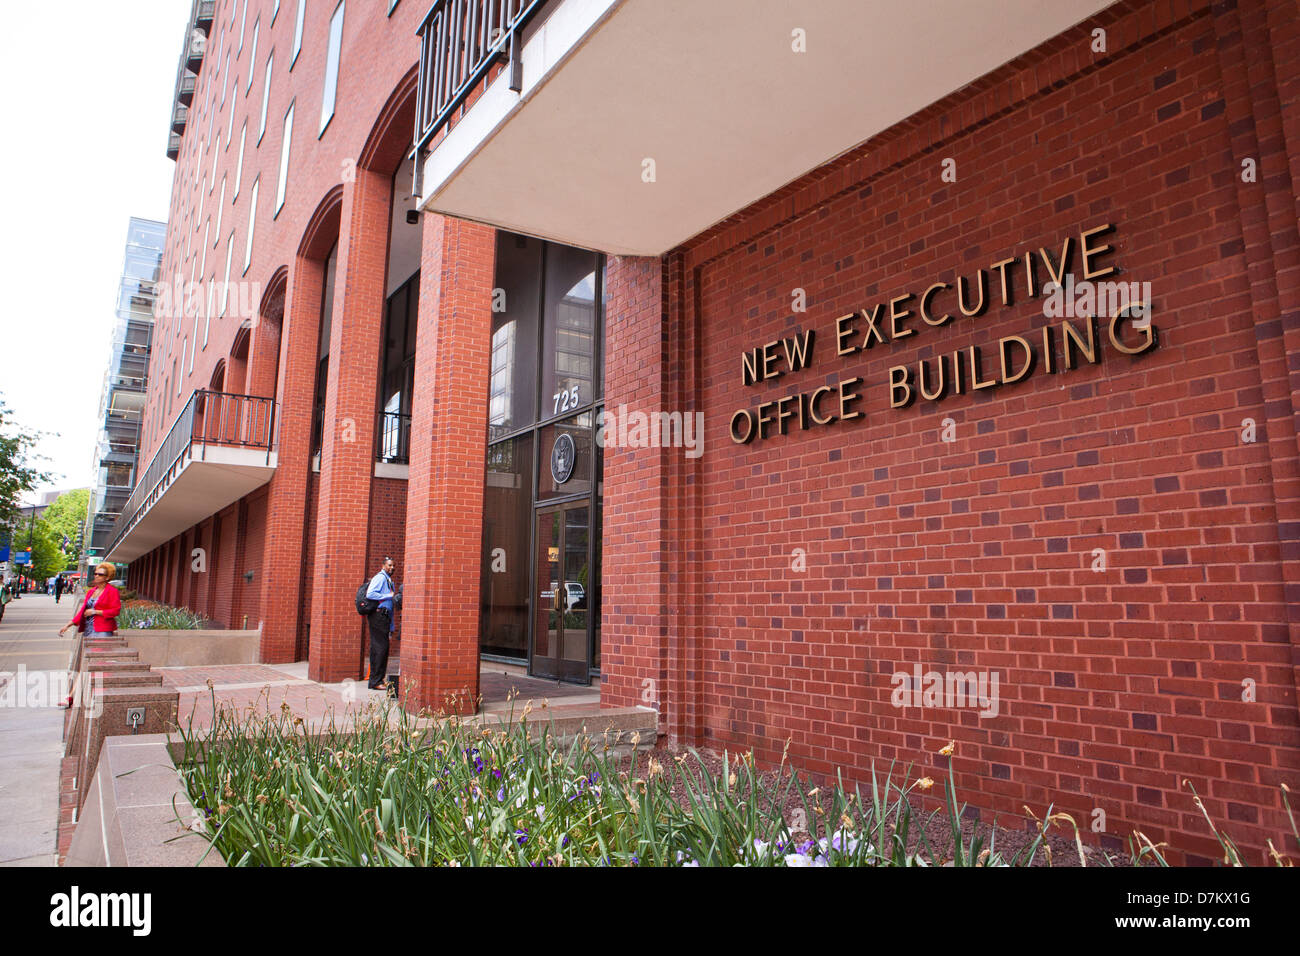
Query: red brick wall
[444,527]
[387,537]
[977,554]
[221,587]
[635,614]
[249,553]
[308,565]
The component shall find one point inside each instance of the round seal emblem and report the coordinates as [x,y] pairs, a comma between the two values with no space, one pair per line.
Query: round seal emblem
[563,455]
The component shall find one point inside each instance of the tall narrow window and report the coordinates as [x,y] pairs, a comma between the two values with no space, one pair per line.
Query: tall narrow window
[297,33]
[225,80]
[331,69]
[275,11]
[284,160]
[230,122]
[194,336]
[216,155]
[243,22]
[225,286]
[252,57]
[221,206]
[252,221]
[239,162]
[266,97]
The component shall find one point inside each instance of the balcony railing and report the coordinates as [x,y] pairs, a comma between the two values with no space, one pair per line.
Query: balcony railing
[393,438]
[208,418]
[201,14]
[460,40]
[196,44]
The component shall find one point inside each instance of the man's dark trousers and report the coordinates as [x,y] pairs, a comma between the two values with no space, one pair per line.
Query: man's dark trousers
[379,624]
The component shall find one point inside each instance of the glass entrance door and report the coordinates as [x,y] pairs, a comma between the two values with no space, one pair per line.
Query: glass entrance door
[561,640]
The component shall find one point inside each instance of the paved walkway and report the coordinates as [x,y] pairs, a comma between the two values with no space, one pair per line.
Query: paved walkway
[267,686]
[31,728]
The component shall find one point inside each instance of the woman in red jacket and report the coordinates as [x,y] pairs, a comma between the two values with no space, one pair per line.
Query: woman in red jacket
[101,605]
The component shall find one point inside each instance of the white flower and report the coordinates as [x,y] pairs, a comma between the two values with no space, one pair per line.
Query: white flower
[841,842]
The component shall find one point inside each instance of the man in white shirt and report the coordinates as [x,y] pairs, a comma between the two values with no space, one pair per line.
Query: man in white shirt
[381,623]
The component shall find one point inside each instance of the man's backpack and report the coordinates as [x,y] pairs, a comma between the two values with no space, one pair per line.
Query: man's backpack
[365,606]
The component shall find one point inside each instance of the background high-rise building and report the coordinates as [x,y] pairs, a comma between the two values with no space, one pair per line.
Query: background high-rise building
[125,381]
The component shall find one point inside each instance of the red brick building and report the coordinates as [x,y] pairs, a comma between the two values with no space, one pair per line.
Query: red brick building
[809,448]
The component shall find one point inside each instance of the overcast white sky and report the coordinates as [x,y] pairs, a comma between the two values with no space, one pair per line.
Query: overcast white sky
[85,102]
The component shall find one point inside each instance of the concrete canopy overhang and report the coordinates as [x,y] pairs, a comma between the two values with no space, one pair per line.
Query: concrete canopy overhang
[205,480]
[714,93]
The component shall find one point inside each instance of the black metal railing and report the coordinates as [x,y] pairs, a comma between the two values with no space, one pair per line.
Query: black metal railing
[191,61]
[393,438]
[208,419]
[460,40]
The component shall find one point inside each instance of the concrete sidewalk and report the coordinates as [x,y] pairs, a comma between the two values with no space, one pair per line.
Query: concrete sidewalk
[31,728]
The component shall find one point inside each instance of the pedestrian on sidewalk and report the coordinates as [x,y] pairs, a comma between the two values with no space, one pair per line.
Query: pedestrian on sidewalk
[100,607]
[381,623]
[58,588]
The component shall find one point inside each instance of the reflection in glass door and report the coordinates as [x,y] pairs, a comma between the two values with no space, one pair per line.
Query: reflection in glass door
[561,636]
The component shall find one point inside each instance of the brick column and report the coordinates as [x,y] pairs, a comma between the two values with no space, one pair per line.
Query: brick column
[348,446]
[282,551]
[641,514]
[1252,47]
[444,504]
[264,349]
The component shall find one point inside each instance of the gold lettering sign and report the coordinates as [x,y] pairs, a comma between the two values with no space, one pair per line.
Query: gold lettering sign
[1073,339]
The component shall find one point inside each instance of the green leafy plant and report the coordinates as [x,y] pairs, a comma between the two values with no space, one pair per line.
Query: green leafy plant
[382,788]
[158,617]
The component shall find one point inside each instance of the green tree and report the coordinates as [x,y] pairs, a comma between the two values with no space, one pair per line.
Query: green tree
[48,558]
[60,523]
[66,516]
[18,474]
